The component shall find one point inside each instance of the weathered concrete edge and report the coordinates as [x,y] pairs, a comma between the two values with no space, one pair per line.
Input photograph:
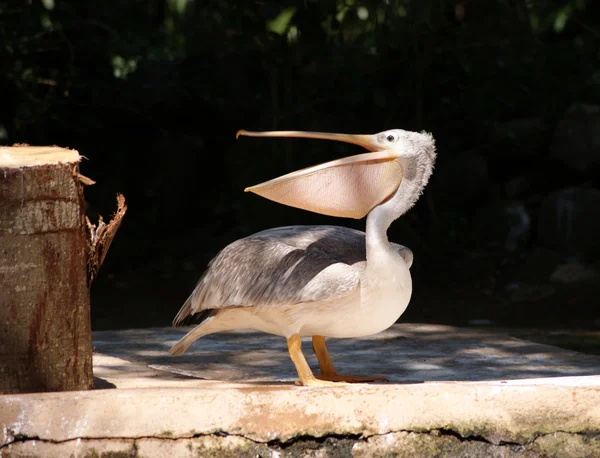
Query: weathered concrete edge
[513,414]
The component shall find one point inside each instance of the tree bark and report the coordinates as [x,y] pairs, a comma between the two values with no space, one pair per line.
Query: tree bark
[45,330]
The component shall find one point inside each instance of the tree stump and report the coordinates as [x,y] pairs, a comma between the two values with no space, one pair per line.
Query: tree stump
[45,275]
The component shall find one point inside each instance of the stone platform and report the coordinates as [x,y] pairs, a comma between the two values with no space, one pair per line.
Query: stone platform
[451,392]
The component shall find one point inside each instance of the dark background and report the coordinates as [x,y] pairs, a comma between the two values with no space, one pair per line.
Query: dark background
[152,92]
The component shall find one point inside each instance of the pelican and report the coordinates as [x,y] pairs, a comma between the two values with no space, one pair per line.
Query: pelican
[320,281]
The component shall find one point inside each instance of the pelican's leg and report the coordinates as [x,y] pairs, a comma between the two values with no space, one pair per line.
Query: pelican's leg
[326,366]
[306,376]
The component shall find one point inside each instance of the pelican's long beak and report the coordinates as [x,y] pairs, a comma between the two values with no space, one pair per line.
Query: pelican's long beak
[366,141]
[349,187]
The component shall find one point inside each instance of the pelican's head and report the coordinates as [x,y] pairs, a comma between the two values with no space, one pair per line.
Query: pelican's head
[406,144]
[415,149]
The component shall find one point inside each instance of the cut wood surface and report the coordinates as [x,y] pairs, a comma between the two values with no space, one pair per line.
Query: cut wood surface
[29,156]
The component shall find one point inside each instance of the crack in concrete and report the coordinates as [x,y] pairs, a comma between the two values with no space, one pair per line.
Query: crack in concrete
[475,437]
[286,444]
[283,445]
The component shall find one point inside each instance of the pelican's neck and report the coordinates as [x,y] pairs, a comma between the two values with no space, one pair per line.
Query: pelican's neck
[382,216]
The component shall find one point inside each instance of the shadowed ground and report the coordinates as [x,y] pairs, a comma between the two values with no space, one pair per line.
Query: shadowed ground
[405,353]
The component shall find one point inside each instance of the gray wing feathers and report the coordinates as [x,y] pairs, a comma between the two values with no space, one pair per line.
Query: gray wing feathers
[282,266]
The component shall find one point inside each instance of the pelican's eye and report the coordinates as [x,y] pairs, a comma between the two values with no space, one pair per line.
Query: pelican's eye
[390,138]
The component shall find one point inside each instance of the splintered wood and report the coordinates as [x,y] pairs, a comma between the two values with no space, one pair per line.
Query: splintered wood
[101,236]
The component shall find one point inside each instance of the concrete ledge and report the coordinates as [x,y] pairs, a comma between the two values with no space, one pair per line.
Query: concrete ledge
[269,417]
[550,416]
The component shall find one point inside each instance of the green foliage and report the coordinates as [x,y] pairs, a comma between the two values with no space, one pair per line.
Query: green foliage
[425,57]
[555,15]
